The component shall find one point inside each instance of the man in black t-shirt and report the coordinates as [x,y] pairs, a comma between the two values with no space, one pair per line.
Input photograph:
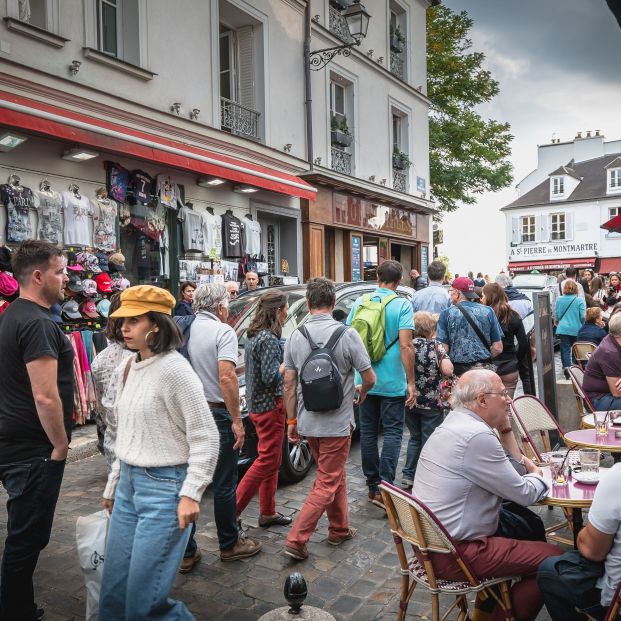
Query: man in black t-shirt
[36,406]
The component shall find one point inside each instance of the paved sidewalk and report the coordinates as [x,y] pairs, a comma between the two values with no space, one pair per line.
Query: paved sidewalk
[357,580]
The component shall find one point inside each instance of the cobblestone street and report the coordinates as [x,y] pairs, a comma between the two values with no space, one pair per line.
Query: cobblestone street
[358,580]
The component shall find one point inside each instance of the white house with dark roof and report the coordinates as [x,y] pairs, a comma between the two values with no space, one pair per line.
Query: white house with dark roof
[556,220]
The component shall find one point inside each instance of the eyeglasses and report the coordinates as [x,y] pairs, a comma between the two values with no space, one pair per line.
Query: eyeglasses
[504,393]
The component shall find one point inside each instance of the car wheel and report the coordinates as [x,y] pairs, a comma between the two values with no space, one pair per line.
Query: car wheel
[297,460]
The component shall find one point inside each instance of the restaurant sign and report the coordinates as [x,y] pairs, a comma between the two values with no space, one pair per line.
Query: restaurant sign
[563,250]
[355,212]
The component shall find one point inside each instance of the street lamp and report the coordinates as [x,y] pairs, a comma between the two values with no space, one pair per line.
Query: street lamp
[357,20]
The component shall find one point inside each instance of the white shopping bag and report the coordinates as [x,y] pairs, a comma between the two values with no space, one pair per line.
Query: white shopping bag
[91,533]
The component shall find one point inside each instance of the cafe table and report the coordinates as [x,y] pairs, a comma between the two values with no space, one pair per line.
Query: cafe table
[574,496]
[587,438]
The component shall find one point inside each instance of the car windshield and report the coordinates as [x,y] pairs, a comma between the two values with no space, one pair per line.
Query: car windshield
[536,281]
[239,307]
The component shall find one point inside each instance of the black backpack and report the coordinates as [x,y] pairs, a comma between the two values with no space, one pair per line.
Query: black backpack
[322,389]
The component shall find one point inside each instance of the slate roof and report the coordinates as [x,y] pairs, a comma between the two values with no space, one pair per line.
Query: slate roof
[593,184]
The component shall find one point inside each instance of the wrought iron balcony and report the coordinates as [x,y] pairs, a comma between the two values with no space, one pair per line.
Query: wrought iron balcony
[238,119]
[341,161]
[338,26]
[397,65]
[399,180]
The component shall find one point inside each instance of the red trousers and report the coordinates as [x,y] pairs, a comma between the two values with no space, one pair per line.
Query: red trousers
[328,493]
[497,557]
[263,474]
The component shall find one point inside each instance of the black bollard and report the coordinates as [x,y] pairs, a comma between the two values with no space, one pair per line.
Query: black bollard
[295,592]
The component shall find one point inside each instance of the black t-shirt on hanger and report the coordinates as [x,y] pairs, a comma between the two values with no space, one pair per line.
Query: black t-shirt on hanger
[232,243]
[28,332]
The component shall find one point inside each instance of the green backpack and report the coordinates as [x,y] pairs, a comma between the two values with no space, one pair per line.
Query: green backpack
[369,322]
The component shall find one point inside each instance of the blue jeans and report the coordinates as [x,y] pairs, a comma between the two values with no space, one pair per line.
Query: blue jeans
[389,411]
[567,340]
[607,402]
[421,424]
[145,546]
[224,487]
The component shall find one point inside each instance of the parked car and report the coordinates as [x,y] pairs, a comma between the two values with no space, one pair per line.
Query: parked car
[297,459]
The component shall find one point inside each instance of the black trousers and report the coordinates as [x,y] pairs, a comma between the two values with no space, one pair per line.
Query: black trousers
[33,487]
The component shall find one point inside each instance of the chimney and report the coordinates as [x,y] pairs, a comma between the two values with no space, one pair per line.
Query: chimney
[597,132]
[588,134]
[579,135]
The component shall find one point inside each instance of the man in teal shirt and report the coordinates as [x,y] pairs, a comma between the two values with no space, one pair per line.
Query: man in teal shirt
[394,388]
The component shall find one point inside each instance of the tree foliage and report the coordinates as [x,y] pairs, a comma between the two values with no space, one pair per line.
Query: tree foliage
[468,155]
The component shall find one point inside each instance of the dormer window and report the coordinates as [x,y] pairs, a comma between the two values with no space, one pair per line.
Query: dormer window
[558,186]
[614,180]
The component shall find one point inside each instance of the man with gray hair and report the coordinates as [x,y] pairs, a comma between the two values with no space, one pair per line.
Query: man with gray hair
[518,301]
[463,475]
[434,298]
[212,350]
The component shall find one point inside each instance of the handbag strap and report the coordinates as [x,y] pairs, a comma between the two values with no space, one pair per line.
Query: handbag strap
[474,326]
[568,307]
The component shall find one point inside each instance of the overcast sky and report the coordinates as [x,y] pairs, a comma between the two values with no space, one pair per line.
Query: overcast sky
[557,62]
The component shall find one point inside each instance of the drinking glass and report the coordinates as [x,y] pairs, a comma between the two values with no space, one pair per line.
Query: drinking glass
[601,423]
[589,463]
[559,468]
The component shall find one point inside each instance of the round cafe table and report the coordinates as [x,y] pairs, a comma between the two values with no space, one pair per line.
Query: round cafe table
[587,438]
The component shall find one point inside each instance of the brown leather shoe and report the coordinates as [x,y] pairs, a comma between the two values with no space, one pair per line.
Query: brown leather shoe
[188,563]
[299,554]
[244,548]
[337,541]
[277,520]
[377,500]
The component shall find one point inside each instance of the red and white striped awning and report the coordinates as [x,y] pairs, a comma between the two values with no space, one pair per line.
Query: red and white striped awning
[47,120]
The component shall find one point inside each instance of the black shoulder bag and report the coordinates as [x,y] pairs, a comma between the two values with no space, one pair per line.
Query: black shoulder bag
[478,332]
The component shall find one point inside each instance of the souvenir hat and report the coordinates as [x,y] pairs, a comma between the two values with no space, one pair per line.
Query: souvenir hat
[75,284]
[103,283]
[103,307]
[89,287]
[72,262]
[70,310]
[89,262]
[8,284]
[55,311]
[117,262]
[142,299]
[466,286]
[120,284]
[102,257]
[88,309]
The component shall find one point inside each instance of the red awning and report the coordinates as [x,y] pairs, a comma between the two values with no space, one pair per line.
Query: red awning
[611,264]
[551,264]
[614,224]
[47,120]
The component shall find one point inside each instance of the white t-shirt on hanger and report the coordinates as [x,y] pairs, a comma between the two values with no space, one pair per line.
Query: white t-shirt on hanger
[77,213]
[252,230]
[212,232]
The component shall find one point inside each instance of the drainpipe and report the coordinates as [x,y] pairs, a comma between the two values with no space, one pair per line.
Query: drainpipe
[308,102]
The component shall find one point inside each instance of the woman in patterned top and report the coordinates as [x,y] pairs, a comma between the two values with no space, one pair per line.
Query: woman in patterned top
[264,390]
[431,364]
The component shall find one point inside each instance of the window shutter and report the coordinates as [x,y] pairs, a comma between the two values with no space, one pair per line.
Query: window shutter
[515,231]
[538,220]
[569,225]
[546,225]
[245,55]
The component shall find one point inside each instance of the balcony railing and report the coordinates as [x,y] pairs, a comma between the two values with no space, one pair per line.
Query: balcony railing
[397,65]
[238,119]
[399,181]
[338,26]
[341,161]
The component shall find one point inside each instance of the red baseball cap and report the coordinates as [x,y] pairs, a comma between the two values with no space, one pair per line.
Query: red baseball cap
[104,283]
[466,286]
[89,309]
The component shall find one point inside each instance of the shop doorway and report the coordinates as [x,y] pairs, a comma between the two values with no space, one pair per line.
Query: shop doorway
[279,245]
[370,257]
[407,255]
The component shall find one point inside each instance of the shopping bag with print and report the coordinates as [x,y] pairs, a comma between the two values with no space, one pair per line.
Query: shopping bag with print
[91,534]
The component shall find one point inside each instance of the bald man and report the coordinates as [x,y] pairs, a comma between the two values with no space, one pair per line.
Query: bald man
[251,283]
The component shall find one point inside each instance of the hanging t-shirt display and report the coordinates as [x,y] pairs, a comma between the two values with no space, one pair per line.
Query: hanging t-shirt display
[50,206]
[167,191]
[18,200]
[117,180]
[193,238]
[212,232]
[252,237]
[231,236]
[141,184]
[77,212]
[104,235]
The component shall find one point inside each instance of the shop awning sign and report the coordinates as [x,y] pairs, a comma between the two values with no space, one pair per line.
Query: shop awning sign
[561,250]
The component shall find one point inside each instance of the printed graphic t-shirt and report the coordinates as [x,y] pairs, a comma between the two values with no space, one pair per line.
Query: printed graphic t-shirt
[18,200]
[50,206]
[212,232]
[252,237]
[77,212]
[231,236]
[193,238]
[141,184]
[117,181]
[105,224]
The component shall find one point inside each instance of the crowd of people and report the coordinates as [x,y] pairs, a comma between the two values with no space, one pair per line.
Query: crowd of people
[169,411]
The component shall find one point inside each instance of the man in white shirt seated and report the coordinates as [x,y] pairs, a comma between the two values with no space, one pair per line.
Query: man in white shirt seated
[463,475]
[587,578]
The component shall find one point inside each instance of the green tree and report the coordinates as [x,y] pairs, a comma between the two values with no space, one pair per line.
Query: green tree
[468,155]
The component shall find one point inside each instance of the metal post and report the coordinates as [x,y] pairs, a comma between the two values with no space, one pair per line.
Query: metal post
[308,93]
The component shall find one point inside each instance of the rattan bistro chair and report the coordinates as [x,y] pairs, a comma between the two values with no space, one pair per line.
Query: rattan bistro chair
[585,407]
[581,351]
[613,609]
[412,522]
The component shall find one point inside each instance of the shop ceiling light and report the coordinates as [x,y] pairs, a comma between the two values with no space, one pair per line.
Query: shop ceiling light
[10,140]
[244,189]
[208,182]
[79,155]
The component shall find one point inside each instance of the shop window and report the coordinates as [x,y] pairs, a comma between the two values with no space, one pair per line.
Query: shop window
[271,249]
[118,29]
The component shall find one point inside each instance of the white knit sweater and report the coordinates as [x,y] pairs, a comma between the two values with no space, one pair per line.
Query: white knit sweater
[164,420]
